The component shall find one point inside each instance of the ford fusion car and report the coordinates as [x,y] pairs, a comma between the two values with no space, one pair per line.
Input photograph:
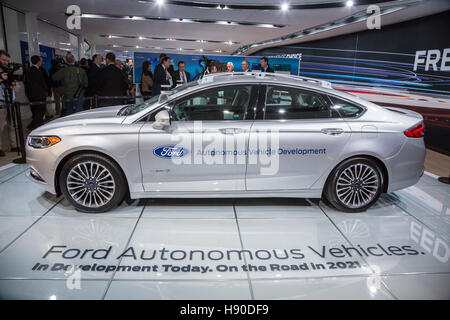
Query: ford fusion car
[231,135]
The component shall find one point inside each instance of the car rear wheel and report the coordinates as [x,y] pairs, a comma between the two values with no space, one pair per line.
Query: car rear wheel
[354,185]
[92,183]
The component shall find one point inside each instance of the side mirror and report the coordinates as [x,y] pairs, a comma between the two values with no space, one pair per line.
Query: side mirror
[162,119]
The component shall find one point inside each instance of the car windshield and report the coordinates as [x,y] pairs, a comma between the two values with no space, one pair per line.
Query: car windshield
[135,108]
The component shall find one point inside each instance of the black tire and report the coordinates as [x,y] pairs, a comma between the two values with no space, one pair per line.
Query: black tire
[110,188]
[367,190]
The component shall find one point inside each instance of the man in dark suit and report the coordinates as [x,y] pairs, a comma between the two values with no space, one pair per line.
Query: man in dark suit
[112,82]
[48,82]
[181,75]
[36,90]
[265,65]
[161,76]
[94,75]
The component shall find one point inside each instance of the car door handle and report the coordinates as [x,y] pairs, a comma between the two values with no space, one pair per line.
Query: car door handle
[332,131]
[230,130]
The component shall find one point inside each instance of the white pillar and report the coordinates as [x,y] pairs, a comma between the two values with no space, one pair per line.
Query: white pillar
[81,52]
[74,45]
[31,24]
[93,49]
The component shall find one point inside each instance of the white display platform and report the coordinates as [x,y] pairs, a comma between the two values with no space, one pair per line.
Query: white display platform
[224,248]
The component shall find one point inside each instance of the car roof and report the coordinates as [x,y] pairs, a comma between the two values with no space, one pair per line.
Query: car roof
[258,77]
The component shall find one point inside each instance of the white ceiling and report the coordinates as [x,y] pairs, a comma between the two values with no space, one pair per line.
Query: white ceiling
[295,20]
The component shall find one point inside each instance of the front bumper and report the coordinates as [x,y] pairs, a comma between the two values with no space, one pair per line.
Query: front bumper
[42,164]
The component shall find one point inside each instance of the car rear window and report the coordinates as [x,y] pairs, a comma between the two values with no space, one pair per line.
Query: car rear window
[346,109]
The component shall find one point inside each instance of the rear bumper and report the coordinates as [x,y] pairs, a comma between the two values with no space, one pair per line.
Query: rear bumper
[407,167]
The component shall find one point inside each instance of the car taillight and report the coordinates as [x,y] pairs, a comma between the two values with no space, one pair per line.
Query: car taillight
[416,132]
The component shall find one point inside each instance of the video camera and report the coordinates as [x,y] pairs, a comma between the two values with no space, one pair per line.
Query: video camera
[12,76]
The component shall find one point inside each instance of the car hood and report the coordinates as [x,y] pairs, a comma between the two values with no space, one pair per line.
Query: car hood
[98,113]
[94,116]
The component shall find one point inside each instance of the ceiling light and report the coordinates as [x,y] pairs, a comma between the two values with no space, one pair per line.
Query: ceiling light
[140,38]
[110,36]
[284,7]
[159,2]
[137,47]
[349,3]
[201,50]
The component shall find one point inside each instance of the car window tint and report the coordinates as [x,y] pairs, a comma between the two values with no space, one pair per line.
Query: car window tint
[220,103]
[294,103]
[346,109]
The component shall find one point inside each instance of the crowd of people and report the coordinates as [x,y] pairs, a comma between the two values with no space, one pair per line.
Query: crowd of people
[165,75]
[69,82]
[107,79]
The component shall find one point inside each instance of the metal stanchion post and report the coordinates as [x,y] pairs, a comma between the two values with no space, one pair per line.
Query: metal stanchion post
[12,120]
[21,143]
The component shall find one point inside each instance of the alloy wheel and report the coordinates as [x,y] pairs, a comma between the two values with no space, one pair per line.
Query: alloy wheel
[90,184]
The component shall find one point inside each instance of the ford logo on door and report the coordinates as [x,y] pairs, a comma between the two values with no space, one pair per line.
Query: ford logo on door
[170,152]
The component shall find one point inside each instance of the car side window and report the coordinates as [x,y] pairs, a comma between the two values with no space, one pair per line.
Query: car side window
[220,103]
[346,109]
[283,103]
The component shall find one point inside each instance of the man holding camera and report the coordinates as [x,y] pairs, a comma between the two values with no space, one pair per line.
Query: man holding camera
[4,63]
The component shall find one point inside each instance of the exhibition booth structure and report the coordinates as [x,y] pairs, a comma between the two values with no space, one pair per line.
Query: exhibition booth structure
[268,248]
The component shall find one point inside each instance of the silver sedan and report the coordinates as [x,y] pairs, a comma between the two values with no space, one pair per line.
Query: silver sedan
[231,135]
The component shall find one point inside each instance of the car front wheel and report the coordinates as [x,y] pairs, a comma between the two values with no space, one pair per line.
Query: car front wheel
[354,185]
[92,183]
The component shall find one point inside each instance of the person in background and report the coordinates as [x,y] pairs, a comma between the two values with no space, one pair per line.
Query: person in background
[129,63]
[57,87]
[171,71]
[118,64]
[213,69]
[265,65]
[162,76]
[245,66]
[230,67]
[36,91]
[112,82]
[181,75]
[84,64]
[94,74]
[73,79]
[4,132]
[48,82]
[146,79]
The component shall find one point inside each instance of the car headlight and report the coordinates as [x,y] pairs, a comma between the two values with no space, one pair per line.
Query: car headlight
[43,142]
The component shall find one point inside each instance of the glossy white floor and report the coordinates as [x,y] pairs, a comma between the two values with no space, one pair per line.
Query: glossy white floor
[297,248]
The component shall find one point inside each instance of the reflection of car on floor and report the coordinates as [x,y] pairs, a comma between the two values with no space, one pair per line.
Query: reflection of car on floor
[329,144]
